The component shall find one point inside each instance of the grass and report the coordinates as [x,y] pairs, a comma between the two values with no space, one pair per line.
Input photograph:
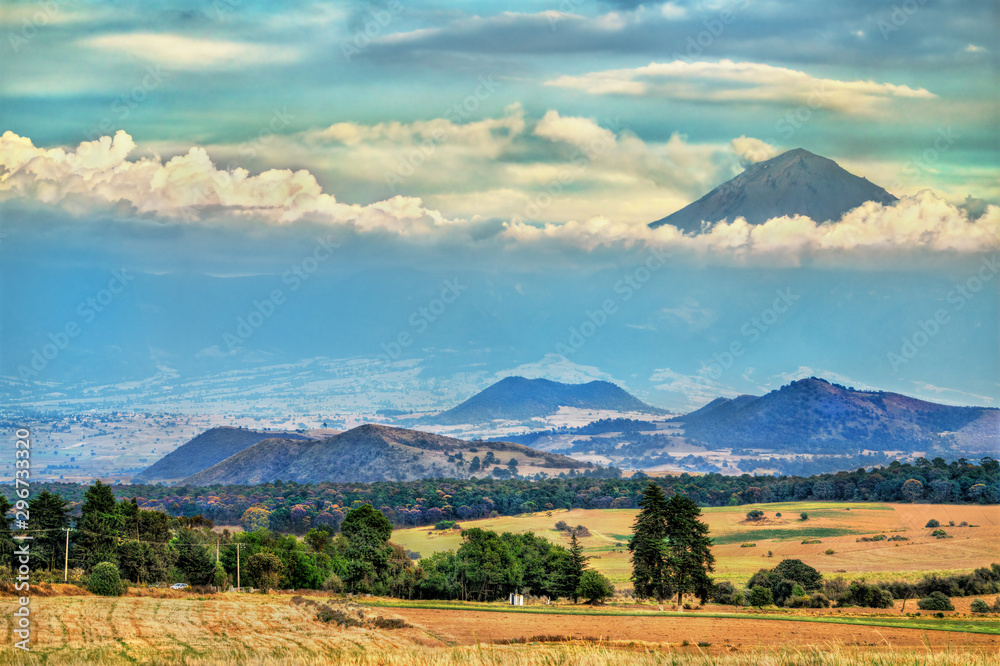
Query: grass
[531,654]
[836,523]
[959,624]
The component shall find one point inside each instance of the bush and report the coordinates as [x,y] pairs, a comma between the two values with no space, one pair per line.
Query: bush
[804,516]
[444,524]
[105,580]
[755,514]
[748,545]
[333,584]
[219,577]
[897,537]
[760,596]
[818,600]
[594,586]
[805,541]
[932,523]
[725,593]
[829,551]
[860,593]
[979,606]
[935,601]
[777,515]
[939,533]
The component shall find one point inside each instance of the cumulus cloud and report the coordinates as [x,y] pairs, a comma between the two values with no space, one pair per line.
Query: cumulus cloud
[99,176]
[752,150]
[740,82]
[178,52]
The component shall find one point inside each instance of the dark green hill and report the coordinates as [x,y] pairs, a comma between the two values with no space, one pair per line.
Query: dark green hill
[203,451]
[518,399]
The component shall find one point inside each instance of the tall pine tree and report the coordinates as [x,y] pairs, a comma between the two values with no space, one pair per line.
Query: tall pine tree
[99,527]
[578,562]
[647,545]
[688,552]
[49,512]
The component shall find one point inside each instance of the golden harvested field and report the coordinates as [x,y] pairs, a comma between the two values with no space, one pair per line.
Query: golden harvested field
[836,525]
[273,629]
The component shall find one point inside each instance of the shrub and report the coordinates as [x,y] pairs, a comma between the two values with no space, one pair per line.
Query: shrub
[818,600]
[860,593]
[979,606]
[829,551]
[777,515]
[220,577]
[105,580]
[935,601]
[805,541]
[725,593]
[333,584]
[932,523]
[444,524]
[939,533]
[804,516]
[594,586]
[748,545]
[760,596]
[755,514]
[562,526]
[897,537]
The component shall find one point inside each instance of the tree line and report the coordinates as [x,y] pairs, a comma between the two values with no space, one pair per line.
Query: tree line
[297,508]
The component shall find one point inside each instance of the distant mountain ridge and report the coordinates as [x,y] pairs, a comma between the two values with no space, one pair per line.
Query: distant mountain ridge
[519,398]
[796,182]
[814,415]
[372,453]
[212,446]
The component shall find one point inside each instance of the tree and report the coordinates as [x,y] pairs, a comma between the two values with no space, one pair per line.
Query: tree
[578,562]
[48,512]
[936,601]
[100,527]
[689,557]
[488,565]
[647,545]
[367,532]
[755,514]
[317,539]
[912,490]
[193,558]
[265,570]
[256,518]
[760,596]
[800,572]
[594,587]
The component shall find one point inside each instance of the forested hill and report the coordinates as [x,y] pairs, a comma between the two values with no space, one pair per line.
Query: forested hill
[292,507]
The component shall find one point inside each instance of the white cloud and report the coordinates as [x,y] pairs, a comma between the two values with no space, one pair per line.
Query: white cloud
[557,368]
[580,132]
[177,52]
[741,83]
[697,389]
[753,150]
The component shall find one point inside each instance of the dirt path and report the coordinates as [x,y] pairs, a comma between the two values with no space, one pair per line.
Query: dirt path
[468,627]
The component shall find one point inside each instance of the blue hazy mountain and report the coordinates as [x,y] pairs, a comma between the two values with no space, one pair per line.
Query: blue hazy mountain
[794,183]
[518,398]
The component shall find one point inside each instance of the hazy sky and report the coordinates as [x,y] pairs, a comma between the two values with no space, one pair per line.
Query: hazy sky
[522,145]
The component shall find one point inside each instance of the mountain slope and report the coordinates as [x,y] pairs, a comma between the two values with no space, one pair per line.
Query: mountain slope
[794,183]
[518,398]
[813,415]
[203,451]
[372,453]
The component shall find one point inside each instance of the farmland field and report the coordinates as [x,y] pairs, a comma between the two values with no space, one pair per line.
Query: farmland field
[837,526]
[274,629]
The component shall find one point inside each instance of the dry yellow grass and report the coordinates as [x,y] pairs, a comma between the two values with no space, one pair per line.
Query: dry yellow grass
[270,630]
[836,525]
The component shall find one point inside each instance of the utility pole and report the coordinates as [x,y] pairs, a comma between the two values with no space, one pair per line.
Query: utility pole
[238,586]
[66,560]
[217,549]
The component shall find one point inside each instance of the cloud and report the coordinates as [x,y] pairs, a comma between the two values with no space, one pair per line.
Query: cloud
[99,178]
[557,368]
[177,52]
[728,82]
[697,390]
[753,150]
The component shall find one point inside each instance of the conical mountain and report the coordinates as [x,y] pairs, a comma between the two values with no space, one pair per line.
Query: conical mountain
[793,183]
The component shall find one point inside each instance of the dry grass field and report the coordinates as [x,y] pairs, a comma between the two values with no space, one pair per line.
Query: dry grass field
[273,629]
[836,525]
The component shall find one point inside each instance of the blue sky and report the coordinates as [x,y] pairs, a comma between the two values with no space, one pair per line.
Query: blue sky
[516,145]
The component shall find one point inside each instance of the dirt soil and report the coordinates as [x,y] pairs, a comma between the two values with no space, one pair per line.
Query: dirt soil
[470,627]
